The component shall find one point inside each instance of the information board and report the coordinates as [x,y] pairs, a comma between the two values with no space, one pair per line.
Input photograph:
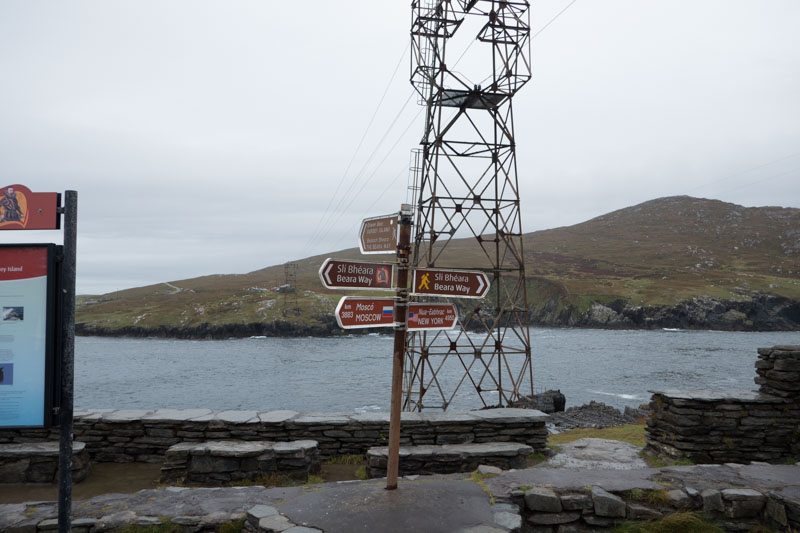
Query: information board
[26,336]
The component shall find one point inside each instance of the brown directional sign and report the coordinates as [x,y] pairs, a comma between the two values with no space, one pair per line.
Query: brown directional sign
[336,274]
[431,316]
[457,283]
[354,313]
[378,235]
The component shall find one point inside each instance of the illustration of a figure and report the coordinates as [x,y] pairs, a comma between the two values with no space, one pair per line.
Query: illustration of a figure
[382,277]
[11,209]
[425,282]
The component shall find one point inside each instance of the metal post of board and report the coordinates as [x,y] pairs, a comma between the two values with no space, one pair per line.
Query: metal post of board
[401,303]
[68,361]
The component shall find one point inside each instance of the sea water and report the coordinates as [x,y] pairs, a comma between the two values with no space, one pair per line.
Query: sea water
[353,374]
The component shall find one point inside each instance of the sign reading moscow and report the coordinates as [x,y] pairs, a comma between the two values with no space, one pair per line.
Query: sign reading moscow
[378,235]
[431,316]
[336,274]
[457,283]
[353,312]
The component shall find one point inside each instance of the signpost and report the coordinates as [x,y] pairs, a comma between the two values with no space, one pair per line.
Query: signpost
[426,316]
[355,313]
[23,209]
[378,235]
[387,234]
[456,283]
[336,274]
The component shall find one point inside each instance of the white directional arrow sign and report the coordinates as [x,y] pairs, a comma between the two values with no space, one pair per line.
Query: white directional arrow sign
[358,275]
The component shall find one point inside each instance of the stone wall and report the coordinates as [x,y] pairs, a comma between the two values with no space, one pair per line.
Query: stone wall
[220,462]
[596,509]
[144,436]
[449,458]
[760,426]
[37,462]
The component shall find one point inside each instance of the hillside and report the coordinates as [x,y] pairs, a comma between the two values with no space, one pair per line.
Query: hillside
[670,262]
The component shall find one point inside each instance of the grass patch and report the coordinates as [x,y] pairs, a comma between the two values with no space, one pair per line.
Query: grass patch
[361,473]
[674,523]
[652,496]
[232,527]
[657,461]
[630,433]
[479,478]
[536,458]
[351,459]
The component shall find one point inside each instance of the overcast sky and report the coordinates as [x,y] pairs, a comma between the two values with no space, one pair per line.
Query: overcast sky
[210,137]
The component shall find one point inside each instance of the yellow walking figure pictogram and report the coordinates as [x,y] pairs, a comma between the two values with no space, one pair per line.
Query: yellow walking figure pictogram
[425,282]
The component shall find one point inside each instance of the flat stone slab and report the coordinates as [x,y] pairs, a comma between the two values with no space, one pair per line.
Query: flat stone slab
[485,449]
[177,415]
[237,417]
[736,396]
[126,415]
[36,449]
[597,454]
[511,414]
[276,417]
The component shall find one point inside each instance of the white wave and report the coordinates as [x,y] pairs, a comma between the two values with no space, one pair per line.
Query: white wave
[367,408]
[617,395]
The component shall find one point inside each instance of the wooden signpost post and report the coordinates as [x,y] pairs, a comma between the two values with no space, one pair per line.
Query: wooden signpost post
[392,234]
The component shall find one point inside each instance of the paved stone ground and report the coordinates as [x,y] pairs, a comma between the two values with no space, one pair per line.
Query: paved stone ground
[432,504]
[597,454]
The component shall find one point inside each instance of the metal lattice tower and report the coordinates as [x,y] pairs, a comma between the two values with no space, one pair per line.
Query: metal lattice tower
[466,186]
[290,305]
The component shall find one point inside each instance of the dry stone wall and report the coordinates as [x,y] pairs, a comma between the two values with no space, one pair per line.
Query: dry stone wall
[37,462]
[144,436]
[761,426]
[213,463]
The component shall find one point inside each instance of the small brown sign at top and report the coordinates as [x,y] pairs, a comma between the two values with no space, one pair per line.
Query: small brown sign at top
[378,235]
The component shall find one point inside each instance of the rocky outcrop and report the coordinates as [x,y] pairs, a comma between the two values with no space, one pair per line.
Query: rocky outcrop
[324,327]
[763,312]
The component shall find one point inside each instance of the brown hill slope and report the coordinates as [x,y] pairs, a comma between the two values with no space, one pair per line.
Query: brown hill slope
[659,254]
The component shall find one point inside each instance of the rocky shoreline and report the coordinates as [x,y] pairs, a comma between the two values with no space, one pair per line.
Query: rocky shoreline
[761,313]
[589,415]
[596,415]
